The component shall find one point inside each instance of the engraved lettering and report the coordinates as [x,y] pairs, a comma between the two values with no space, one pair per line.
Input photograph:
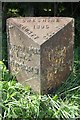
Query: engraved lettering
[36,70]
[33,20]
[23,27]
[33,35]
[34,27]
[58,60]
[41,27]
[39,21]
[26,29]
[47,26]
[44,20]
[30,32]
[29,20]
[36,37]
[23,21]
[49,20]
[20,25]
[38,26]
[24,67]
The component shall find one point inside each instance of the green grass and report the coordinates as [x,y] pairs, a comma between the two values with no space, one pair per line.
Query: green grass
[22,103]
[0,40]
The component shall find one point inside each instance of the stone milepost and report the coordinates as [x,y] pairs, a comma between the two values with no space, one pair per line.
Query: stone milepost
[40,50]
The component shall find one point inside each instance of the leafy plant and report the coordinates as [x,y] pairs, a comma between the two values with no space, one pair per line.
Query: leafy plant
[17,101]
[13,12]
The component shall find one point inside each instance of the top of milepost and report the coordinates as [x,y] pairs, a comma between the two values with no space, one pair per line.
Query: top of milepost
[40,29]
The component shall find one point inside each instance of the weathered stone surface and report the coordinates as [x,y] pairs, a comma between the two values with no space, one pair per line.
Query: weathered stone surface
[40,50]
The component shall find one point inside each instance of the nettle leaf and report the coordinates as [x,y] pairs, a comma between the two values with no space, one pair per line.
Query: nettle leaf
[55,97]
[13,94]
